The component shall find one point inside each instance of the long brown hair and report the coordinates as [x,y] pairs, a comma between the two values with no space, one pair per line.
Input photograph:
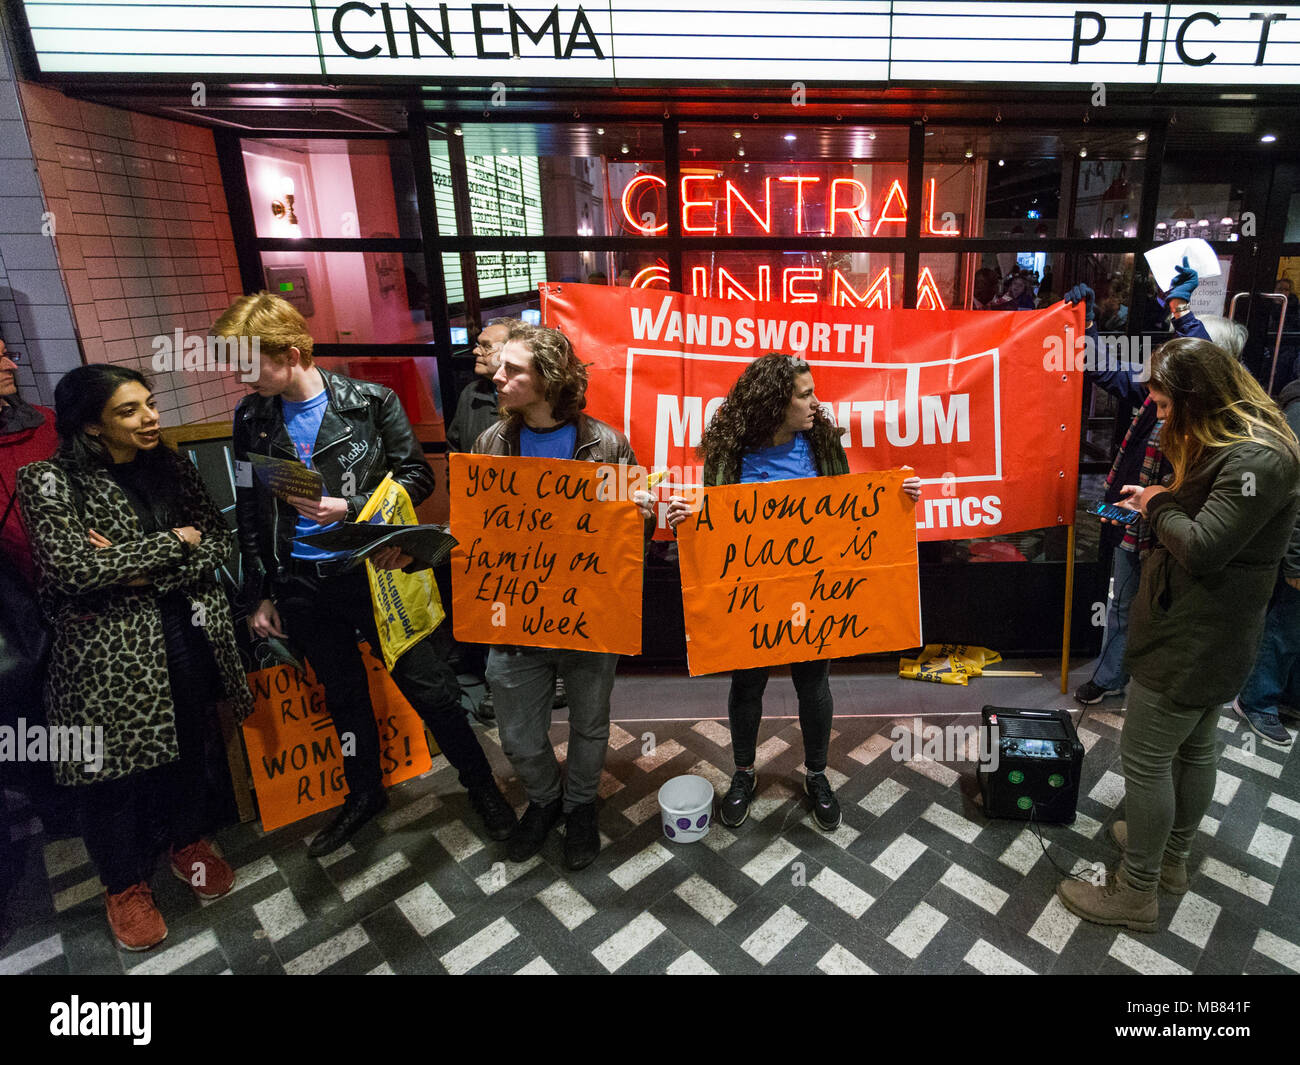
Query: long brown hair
[1215,402]
[754,410]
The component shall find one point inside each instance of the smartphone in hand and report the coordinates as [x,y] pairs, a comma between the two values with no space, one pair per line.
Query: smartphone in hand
[1114,513]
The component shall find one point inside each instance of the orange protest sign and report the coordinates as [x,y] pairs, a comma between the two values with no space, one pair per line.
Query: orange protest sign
[549,554]
[294,753]
[984,405]
[789,571]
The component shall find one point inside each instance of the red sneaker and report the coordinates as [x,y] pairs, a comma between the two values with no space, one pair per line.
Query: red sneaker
[133,919]
[209,874]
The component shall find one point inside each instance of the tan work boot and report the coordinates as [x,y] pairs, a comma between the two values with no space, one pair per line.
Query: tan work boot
[1118,902]
[1173,871]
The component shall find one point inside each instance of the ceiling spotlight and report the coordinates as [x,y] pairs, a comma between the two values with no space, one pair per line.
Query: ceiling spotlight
[624,149]
[1226,221]
[600,131]
[1083,153]
[1142,136]
[871,136]
[970,154]
[1002,162]
[1268,138]
[789,136]
[457,131]
[740,151]
[736,133]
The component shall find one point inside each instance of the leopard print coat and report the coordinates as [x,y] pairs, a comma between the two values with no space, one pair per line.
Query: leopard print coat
[108,665]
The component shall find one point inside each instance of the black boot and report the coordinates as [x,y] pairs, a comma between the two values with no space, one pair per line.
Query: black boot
[355,813]
[532,830]
[497,815]
[581,836]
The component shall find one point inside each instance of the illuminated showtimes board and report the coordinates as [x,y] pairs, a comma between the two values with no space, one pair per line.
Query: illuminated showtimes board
[505,200]
[842,41]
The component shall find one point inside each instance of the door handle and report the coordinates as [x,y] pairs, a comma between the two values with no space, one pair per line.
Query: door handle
[1277,342]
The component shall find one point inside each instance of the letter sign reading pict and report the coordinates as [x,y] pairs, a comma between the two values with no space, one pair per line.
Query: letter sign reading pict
[789,571]
[549,554]
[296,756]
[981,404]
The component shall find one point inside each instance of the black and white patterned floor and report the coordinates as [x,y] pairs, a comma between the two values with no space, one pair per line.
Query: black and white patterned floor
[916,879]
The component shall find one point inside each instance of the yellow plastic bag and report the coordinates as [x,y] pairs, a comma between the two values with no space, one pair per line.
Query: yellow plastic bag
[947,663]
[407,605]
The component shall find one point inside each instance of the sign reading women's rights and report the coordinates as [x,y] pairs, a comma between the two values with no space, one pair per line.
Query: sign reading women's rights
[974,401]
[295,755]
[789,571]
[549,553]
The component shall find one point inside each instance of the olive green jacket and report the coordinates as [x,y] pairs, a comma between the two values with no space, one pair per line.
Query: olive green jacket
[1196,622]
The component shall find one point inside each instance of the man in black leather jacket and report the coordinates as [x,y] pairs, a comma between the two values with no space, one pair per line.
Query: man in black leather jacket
[352,433]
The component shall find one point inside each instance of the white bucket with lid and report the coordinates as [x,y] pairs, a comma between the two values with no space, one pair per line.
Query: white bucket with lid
[686,808]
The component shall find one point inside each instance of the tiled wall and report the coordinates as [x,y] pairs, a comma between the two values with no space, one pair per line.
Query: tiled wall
[34,317]
[143,239]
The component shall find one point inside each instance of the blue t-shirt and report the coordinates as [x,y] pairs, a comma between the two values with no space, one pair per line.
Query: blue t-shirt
[302,421]
[556,443]
[781,462]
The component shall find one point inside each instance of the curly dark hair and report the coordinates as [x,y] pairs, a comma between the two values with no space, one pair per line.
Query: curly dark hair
[563,375]
[755,409]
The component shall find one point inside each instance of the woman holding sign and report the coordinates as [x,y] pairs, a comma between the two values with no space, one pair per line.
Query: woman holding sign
[127,541]
[769,428]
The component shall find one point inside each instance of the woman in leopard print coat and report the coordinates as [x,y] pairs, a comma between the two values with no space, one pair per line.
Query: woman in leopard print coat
[126,542]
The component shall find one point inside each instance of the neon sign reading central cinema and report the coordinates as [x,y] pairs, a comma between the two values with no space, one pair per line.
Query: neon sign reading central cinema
[712,204]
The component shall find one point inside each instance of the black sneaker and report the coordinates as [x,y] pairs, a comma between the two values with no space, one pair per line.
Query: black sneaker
[1089,693]
[826,808]
[532,830]
[581,836]
[735,805]
[497,815]
[561,694]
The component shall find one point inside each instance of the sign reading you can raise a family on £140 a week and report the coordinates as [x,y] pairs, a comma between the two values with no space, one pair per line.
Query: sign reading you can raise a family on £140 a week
[549,553]
[789,571]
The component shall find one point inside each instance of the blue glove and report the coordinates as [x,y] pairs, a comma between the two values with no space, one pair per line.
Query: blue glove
[1087,296]
[1184,284]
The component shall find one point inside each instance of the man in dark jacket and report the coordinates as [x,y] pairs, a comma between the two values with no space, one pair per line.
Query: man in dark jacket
[352,433]
[1260,704]
[477,406]
[543,386]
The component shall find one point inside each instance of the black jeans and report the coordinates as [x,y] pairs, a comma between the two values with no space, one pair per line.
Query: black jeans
[816,708]
[323,615]
[127,821]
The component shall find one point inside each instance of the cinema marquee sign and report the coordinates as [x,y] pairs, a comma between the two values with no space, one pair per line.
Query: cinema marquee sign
[810,41]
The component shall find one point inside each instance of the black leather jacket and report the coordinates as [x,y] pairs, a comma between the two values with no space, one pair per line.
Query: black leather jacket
[364,434]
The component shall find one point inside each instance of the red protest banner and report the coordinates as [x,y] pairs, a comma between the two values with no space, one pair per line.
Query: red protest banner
[966,398]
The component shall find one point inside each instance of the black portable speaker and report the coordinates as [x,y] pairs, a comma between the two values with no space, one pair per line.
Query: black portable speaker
[1030,764]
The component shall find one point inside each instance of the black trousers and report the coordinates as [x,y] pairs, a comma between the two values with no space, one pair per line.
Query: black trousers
[323,615]
[816,709]
[127,821]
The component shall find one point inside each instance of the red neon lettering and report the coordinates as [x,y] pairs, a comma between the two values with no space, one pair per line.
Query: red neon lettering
[930,220]
[858,213]
[648,276]
[798,182]
[766,222]
[878,293]
[635,223]
[731,289]
[791,275]
[928,289]
[688,204]
[699,281]
[894,190]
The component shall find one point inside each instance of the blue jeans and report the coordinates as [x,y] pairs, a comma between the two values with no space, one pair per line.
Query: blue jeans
[1270,681]
[523,689]
[1126,574]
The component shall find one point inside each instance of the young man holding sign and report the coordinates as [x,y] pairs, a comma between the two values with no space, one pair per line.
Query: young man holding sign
[352,433]
[771,428]
[542,386]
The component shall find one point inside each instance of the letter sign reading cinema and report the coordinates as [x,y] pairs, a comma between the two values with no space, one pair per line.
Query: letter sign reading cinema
[841,41]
